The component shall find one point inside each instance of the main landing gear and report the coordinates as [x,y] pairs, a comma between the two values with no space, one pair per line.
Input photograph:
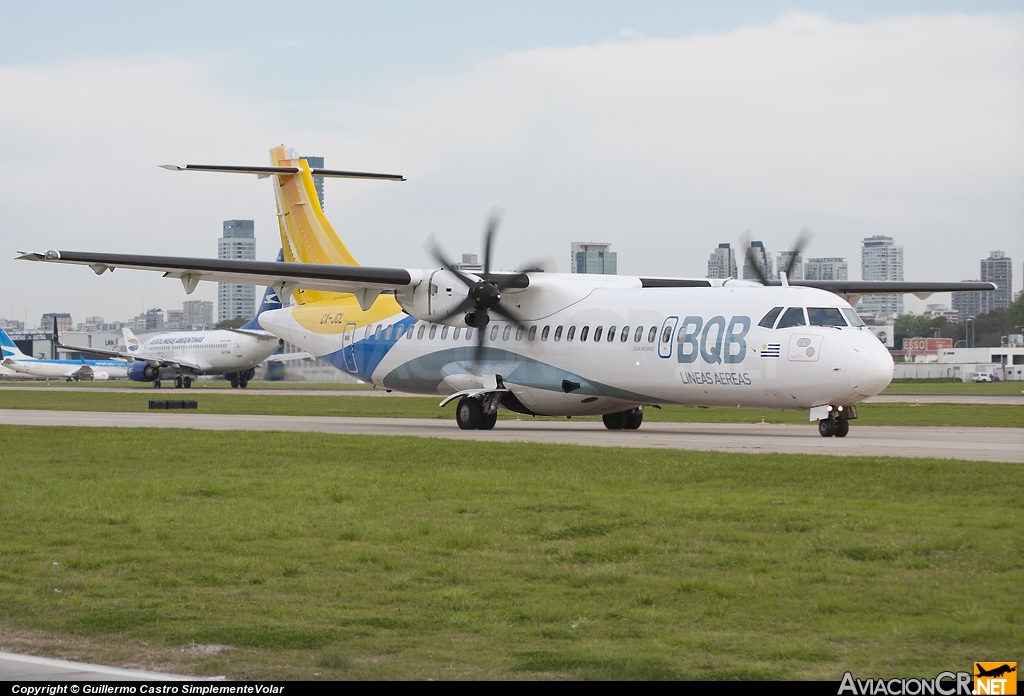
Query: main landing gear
[836,423]
[471,414]
[624,420]
[240,380]
[183,382]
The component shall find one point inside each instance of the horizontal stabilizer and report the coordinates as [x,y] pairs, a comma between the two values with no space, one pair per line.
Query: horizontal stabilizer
[269,171]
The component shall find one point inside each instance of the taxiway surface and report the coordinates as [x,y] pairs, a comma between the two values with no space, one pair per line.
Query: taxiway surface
[15,667]
[148,392]
[982,444]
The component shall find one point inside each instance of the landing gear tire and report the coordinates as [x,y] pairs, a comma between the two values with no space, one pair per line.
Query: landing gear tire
[827,427]
[156,384]
[243,382]
[634,418]
[468,413]
[487,421]
[186,382]
[233,378]
[177,382]
[842,427]
[615,421]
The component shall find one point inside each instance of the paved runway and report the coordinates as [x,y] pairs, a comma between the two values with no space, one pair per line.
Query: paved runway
[14,667]
[994,399]
[983,444]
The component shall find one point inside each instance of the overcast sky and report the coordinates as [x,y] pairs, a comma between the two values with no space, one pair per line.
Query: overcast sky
[662,128]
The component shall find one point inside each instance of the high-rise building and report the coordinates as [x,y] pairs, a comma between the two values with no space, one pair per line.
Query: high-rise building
[64,323]
[318,181]
[175,319]
[966,304]
[826,269]
[722,263]
[763,259]
[881,259]
[238,242]
[154,319]
[797,272]
[998,269]
[197,314]
[593,257]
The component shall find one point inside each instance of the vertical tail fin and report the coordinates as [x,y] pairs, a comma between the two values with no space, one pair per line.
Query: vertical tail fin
[8,349]
[306,234]
[270,301]
[131,343]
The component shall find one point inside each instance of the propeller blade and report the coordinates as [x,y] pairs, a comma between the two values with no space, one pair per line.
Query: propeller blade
[806,235]
[492,226]
[466,304]
[508,314]
[752,259]
[434,248]
[509,280]
[478,354]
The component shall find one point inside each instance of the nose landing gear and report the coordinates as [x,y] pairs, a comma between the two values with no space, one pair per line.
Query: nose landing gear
[837,422]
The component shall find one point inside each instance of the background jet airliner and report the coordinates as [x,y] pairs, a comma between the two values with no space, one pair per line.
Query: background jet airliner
[546,343]
[184,355]
[80,369]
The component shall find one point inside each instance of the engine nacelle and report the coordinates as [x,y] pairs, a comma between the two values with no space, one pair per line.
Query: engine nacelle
[141,371]
[440,293]
[102,376]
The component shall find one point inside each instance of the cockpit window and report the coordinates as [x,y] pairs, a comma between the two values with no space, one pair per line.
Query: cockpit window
[853,317]
[794,316]
[825,316]
[768,321]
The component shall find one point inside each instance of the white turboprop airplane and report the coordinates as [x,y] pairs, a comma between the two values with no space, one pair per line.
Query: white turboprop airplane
[184,355]
[560,344]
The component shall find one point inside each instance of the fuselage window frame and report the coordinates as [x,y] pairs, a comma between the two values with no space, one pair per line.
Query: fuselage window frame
[825,316]
[638,335]
[494,333]
[420,331]
[533,333]
[558,333]
[625,334]
[444,332]
[571,333]
[519,333]
[456,332]
[792,318]
[545,332]
[598,332]
[387,332]
[433,332]
[769,319]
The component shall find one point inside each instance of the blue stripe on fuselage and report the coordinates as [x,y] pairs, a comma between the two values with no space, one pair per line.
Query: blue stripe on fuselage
[367,352]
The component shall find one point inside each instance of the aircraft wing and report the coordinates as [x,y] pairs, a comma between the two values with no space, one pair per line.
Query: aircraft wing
[283,277]
[109,353]
[285,357]
[262,336]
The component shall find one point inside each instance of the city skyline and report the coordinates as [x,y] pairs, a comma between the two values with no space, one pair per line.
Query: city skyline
[629,125]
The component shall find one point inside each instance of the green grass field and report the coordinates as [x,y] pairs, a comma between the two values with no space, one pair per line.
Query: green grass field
[943,386]
[979,415]
[318,556]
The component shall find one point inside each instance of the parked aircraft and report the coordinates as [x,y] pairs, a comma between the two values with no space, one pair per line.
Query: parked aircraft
[184,355]
[559,344]
[81,369]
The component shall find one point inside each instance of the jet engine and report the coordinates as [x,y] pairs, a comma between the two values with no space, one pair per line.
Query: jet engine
[141,371]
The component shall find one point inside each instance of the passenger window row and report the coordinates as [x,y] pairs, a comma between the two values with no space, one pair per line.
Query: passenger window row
[505,331]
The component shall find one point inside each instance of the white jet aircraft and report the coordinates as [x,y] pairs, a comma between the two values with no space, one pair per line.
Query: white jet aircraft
[548,343]
[184,355]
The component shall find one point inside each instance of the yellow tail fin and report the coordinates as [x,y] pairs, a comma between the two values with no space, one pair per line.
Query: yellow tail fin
[306,234]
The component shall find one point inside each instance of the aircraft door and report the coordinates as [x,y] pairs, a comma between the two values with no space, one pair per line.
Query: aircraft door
[348,350]
[666,338]
[238,348]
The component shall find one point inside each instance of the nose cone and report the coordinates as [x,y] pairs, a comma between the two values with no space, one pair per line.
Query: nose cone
[869,367]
